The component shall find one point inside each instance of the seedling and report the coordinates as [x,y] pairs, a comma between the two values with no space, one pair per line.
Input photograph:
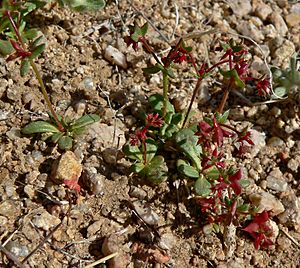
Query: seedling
[287,82]
[26,45]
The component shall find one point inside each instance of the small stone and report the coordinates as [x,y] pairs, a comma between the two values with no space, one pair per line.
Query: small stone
[103,135]
[263,10]
[259,140]
[137,192]
[275,230]
[283,53]
[146,213]
[13,133]
[3,221]
[4,115]
[16,249]
[291,215]
[45,221]
[279,23]
[80,107]
[282,3]
[275,142]
[112,244]
[167,241]
[292,19]
[9,209]
[275,111]
[94,228]
[66,168]
[252,112]
[114,56]
[266,201]
[110,155]
[94,181]
[241,7]
[294,163]
[284,243]
[29,191]
[275,181]
[248,28]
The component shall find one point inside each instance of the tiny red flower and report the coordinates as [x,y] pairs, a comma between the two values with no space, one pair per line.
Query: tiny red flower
[138,136]
[154,120]
[245,137]
[263,87]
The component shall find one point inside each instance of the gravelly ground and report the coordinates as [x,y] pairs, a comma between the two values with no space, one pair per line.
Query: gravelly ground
[79,79]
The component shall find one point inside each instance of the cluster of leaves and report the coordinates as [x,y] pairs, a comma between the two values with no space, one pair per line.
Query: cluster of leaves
[199,148]
[64,139]
[287,82]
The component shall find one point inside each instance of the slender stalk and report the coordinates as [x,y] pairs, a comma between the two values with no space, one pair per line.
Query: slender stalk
[225,96]
[165,92]
[195,92]
[37,74]
[44,92]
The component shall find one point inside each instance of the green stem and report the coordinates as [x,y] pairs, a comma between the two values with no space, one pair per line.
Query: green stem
[37,73]
[165,92]
[46,98]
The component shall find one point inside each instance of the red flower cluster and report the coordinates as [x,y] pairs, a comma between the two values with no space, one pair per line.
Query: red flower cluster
[141,134]
[215,134]
[177,56]
[260,230]
[263,87]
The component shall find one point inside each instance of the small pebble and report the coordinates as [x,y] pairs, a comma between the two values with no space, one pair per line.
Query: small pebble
[114,56]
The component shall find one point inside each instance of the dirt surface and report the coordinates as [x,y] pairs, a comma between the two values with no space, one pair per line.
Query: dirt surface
[79,80]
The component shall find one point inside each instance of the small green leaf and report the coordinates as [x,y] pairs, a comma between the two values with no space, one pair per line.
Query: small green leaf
[212,173]
[152,70]
[39,127]
[133,152]
[156,171]
[177,118]
[169,72]
[202,187]
[144,29]
[137,167]
[222,118]
[233,74]
[30,34]
[65,143]
[186,169]
[55,137]
[244,183]
[156,102]
[151,149]
[37,51]
[84,121]
[38,41]
[187,141]
[280,91]
[5,48]
[25,66]
[243,208]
